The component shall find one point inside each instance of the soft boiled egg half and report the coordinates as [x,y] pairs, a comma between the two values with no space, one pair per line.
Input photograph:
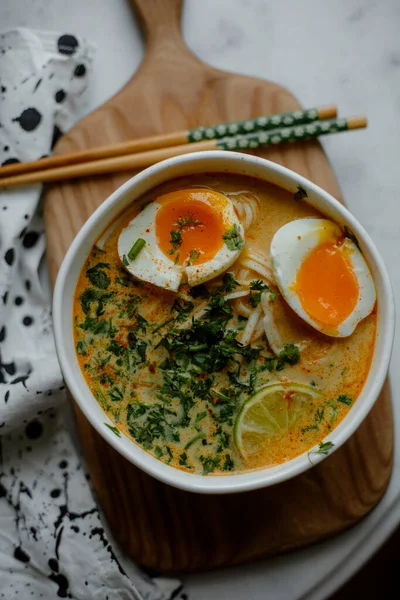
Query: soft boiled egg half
[322,275]
[188,235]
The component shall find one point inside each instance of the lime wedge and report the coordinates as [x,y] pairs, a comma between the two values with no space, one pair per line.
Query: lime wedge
[271,412]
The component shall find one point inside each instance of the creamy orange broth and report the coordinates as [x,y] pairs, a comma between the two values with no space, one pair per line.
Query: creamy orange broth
[121,350]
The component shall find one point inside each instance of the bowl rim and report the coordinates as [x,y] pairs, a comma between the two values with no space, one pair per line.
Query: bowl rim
[219,484]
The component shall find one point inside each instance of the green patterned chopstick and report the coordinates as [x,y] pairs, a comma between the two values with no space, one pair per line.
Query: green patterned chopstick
[289,134]
[176,138]
[131,162]
[262,123]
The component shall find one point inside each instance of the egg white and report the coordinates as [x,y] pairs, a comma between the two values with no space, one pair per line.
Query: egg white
[292,243]
[153,266]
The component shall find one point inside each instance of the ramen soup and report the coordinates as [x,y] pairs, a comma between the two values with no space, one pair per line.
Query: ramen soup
[225,325]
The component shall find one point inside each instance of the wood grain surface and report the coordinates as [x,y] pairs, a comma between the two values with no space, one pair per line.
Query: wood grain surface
[161,527]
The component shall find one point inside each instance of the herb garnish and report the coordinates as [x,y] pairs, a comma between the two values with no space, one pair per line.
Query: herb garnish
[324,448]
[183,460]
[345,399]
[229,283]
[351,236]
[188,222]
[154,427]
[91,296]
[210,463]
[81,348]
[158,452]
[228,463]
[136,248]
[115,394]
[98,277]
[232,238]
[290,354]
[257,287]
[176,241]
[193,256]
[300,194]
[113,429]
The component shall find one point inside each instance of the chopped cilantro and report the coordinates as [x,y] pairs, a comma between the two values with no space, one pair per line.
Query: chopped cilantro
[324,448]
[135,343]
[187,221]
[175,241]
[124,281]
[158,452]
[92,297]
[81,348]
[232,238]
[113,429]
[142,323]
[345,399]
[229,283]
[257,287]
[351,236]
[209,463]
[193,256]
[115,394]
[154,427]
[98,277]
[228,463]
[182,309]
[300,194]
[170,455]
[290,354]
[183,460]
[200,416]
[98,326]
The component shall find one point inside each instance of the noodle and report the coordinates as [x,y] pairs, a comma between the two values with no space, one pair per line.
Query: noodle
[274,338]
[251,325]
[242,309]
[259,269]
[201,311]
[238,294]
[246,205]
[258,330]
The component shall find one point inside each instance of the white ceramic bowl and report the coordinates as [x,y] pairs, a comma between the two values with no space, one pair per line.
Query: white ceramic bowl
[201,162]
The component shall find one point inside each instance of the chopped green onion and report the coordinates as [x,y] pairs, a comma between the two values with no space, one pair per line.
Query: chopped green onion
[136,248]
[197,347]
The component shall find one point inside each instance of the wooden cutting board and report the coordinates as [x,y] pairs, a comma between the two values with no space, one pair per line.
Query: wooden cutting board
[161,527]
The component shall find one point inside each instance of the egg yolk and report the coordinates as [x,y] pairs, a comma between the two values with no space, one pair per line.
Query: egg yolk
[326,285]
[190,225]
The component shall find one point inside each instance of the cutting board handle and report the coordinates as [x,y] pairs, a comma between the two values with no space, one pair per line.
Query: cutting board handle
[160,20]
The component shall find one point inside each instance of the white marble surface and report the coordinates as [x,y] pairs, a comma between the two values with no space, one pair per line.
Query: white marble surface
[347,52]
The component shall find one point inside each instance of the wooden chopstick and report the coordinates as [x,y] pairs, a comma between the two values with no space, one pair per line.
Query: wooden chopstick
[139,160]
[178,138]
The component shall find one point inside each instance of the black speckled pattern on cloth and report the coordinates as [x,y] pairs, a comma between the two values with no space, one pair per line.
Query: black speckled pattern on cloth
[53,543]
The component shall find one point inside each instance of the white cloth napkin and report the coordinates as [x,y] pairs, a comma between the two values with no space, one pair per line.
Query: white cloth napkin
[52,541]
